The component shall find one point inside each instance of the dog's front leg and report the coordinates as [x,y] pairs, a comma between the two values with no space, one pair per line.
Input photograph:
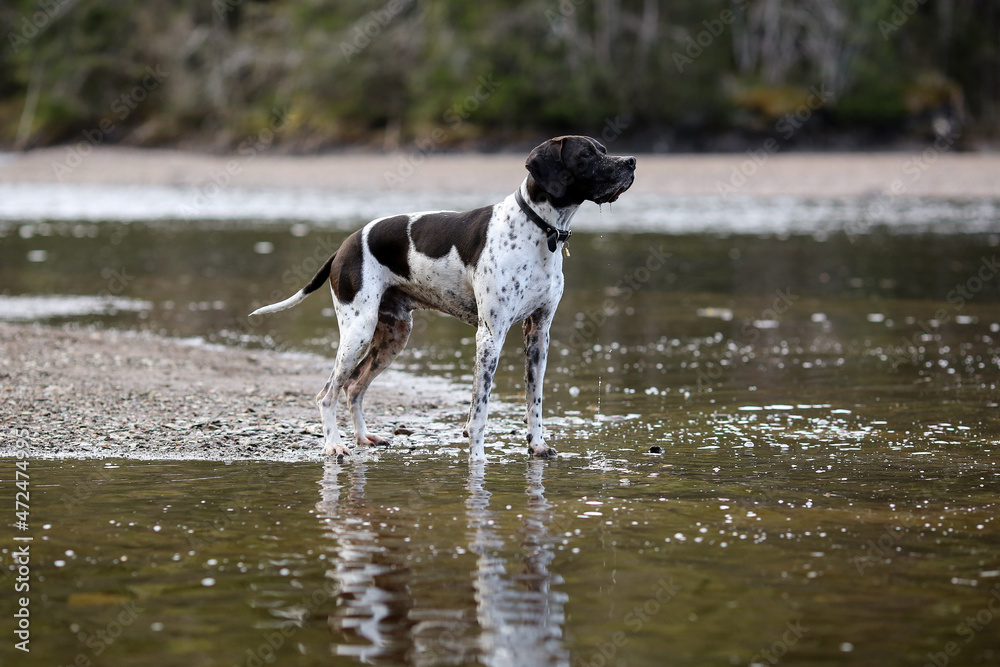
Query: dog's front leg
[536,348]
[487,357]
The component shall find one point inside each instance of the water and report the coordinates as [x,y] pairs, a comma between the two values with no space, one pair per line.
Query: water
[822,406]
[686,558]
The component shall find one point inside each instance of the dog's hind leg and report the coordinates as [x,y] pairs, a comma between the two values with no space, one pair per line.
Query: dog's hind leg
[391,334]
[355,340]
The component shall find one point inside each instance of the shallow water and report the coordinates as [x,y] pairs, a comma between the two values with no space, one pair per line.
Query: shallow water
[686,558]
[825,403]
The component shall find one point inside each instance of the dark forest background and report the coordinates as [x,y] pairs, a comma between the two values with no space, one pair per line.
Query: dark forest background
[661,75]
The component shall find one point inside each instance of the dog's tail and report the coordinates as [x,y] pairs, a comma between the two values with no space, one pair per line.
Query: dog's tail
[317,281]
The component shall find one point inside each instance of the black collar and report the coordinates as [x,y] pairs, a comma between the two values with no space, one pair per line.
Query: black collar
[554,235]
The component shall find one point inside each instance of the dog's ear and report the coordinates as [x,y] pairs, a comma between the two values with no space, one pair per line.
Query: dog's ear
[546,165]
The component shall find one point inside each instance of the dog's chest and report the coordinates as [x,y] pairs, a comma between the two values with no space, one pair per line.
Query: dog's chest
[512,277]
[515,274]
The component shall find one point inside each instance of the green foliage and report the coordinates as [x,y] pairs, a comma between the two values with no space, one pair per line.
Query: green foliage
[393,71]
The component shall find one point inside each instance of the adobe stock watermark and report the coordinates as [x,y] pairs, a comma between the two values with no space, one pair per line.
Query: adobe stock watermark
[956,299]
[453,118]
[100,641]
[264,653]
[22,617]
[566,8]
[247,151]
[901,13]
[117,282]
[789,638]
[222,7]
[785,127]
[590,324]
[370,27]
[33,25]
[912,171]
[695,46]
[880,549]
[749,334]
[21,549]
[293,279]
[459,112]
[121,108]
[636,619]
[968,629]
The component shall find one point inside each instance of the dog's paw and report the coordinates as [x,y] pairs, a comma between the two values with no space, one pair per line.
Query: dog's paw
[542,452]
[338,450]
[370,440]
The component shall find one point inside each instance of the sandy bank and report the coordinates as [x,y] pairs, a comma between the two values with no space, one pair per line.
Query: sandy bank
[931,173]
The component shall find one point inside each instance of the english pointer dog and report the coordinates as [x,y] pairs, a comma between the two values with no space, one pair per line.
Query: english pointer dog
[489,267]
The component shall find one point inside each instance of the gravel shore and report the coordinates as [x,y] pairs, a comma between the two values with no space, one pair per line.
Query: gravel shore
[88,393]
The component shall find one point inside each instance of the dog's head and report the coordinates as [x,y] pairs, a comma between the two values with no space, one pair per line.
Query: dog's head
[572,169]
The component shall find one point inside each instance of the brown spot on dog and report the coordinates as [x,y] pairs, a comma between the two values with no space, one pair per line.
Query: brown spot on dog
[436,234]
[389,244]
[345,272]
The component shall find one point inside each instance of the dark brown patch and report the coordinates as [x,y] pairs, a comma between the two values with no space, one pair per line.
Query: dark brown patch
[548,170]
[345,272]
[397,305]
[320,277]
[436,234]
[389,244]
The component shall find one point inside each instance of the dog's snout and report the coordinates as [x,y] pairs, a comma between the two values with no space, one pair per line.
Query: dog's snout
[630,162]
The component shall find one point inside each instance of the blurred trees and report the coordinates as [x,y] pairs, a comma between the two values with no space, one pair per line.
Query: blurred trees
[686,74]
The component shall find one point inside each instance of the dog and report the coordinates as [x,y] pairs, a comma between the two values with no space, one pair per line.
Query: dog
[489,267]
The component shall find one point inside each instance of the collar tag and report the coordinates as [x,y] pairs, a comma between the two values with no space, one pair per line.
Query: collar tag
[553,234]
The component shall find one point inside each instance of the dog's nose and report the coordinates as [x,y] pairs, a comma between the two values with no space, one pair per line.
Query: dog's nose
[630,162]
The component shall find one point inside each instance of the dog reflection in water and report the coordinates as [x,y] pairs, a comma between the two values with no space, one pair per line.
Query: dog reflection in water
[390,599]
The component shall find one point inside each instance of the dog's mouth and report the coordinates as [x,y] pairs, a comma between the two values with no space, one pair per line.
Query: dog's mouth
[615,194]
[618,193]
